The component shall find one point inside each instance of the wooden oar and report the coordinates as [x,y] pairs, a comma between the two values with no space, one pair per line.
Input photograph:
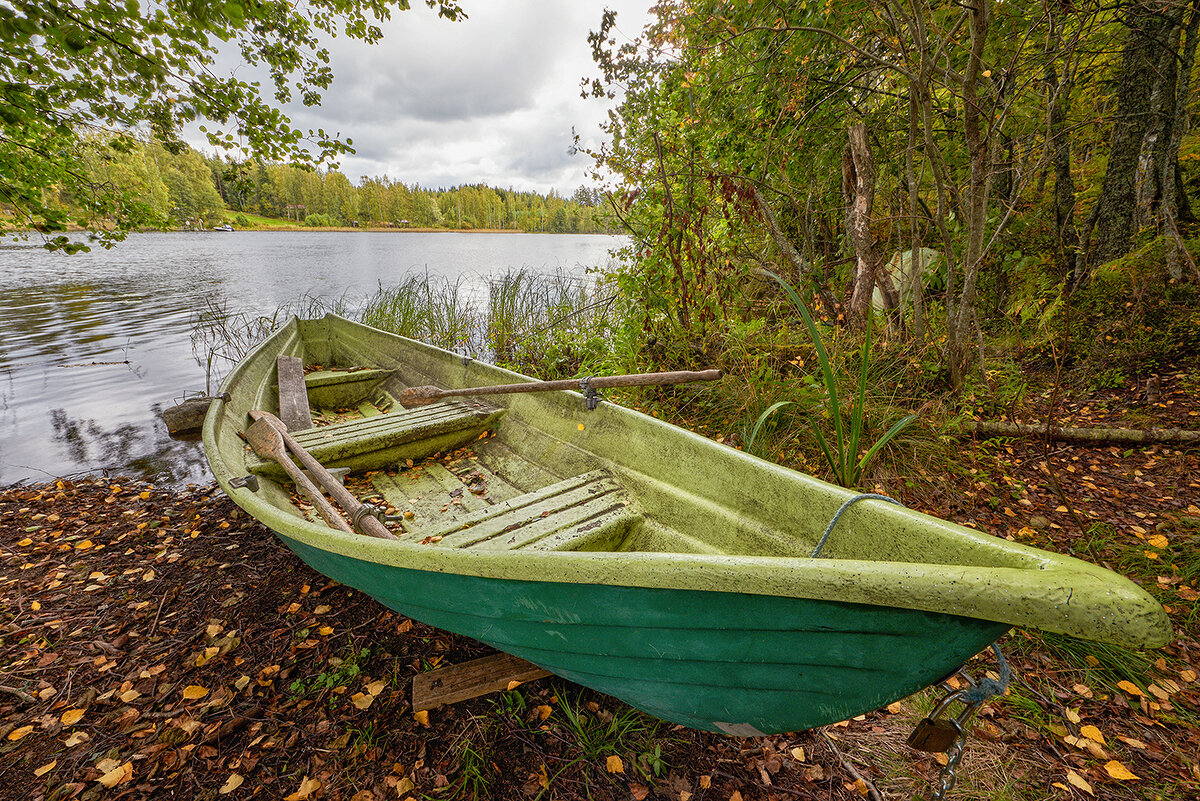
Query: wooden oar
[267,442]
[355,508]
[419,396]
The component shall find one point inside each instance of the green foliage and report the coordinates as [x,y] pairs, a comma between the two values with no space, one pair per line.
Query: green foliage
[319,221]
[554,325]
[841,450]
[1130,317]
[67,71]
[339,672]
[597,735]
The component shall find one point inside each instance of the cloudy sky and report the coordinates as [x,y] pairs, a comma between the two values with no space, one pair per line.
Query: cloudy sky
[489,99]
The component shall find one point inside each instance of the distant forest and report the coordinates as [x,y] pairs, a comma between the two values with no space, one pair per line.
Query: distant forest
[182,187]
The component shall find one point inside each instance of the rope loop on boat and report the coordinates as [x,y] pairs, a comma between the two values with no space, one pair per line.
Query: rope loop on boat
[863,497]
[986,687]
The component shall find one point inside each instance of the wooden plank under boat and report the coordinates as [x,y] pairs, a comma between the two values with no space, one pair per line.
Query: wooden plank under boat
[639,559]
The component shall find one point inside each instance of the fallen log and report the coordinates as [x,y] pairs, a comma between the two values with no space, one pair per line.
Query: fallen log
[1099,436]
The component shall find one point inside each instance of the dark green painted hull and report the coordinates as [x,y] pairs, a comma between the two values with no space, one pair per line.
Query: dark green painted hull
[719,661]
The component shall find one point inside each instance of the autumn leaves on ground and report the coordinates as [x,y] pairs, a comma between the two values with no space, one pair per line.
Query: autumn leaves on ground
[159,643]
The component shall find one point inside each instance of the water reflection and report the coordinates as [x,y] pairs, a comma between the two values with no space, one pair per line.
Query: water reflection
[93,346]
[142,449]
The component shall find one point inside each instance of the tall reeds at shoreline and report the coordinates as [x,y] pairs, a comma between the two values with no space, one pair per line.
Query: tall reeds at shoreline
[547,324]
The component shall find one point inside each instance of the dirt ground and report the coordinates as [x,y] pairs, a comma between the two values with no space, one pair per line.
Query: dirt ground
[158,643]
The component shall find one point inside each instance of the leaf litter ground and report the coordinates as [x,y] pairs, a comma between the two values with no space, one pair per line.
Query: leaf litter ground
[160,644]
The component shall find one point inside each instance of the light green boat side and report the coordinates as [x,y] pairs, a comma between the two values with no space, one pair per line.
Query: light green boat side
[654,564]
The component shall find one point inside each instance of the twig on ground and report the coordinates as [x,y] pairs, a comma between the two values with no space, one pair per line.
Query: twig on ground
[872,791]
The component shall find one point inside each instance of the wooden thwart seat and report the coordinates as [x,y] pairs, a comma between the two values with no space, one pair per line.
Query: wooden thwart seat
[293,394]
[386,439]
[585,512]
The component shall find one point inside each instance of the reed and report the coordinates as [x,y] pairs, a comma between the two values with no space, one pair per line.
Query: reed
[841,447]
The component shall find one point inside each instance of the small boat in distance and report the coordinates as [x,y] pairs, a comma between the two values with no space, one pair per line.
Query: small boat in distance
[223,227]
[627,554]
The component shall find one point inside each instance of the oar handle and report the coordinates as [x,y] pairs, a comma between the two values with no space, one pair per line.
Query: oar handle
[345,499]
[598,382]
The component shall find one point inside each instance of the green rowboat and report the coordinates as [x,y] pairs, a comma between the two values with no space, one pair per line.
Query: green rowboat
[634,557]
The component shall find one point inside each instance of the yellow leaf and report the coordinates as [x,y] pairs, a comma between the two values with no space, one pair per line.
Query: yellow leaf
[25,542]
[44,769]
[71,717]
[422,717]
[737,796]
[798,754]
[1083,690]
[376,687]
[241,683]
[362,700]
[118,775]
[145,496]
[194,691]
[514,684]
[705,782]
[1130,687]
[544,711]
[322,609]
[17,734]
[580,426]
[1118,771]
[1092,733]
[75,739]
[1187,675]
[35,606]
[148,575]
[325,631]
[1078,781]
[129,695]
[613,764]
[1157,541]
[307,788]
[1159,692]
[896,708]
[1072,716]
[1150,554]
[232,783]
[83,546]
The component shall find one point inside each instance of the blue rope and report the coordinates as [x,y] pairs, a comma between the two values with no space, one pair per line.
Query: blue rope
[829,529]
[986,687]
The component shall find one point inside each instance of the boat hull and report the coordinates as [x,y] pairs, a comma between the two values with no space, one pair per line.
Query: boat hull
[705,606]
[726,662]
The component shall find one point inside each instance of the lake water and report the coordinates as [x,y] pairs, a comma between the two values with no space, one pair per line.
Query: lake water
[93,346]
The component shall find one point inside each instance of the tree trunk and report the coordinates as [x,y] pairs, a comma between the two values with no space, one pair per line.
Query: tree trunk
[1153,154]
[961,308]
[914,198]
[1176,253]
[1058,141]
[1148,29]
[858,187]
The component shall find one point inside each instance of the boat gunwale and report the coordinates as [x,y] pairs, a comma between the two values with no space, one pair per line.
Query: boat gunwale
[1045,590]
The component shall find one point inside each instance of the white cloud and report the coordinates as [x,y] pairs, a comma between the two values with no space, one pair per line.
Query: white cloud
[491,99]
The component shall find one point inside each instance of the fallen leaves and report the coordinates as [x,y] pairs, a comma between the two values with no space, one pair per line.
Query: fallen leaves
[1118,771]
[1077,781]
[115,775]
[307,788]
[614,764]
[17,734]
